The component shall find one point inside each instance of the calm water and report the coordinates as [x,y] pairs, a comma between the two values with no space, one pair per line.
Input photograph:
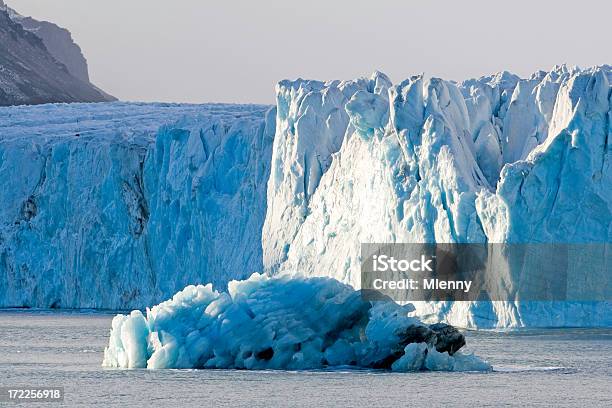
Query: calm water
[532,368]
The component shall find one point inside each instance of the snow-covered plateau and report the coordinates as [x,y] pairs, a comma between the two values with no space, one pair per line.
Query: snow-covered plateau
[101,209]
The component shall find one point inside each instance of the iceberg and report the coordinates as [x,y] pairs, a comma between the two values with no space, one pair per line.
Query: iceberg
[283,323]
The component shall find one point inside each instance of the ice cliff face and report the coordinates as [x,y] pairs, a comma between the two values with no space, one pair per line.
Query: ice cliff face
[311,123]
[102,210]
[498,159]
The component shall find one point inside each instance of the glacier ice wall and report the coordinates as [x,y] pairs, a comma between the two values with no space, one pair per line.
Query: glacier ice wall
[498,159]
[310,126]
[102,210]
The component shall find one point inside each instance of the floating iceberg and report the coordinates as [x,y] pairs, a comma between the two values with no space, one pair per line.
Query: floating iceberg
[283,323]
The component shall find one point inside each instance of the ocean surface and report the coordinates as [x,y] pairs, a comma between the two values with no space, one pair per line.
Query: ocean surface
[555,367]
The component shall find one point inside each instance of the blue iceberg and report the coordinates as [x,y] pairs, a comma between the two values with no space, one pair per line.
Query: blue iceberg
[283,323]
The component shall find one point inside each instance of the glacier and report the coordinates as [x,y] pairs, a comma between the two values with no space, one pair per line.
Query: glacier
[283,323]
[103,209]
[121,205]
[496,160]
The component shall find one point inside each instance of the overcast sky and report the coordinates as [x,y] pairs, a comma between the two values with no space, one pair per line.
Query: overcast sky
[235,51]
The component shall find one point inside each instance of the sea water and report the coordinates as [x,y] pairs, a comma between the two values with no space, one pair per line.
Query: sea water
[544,367]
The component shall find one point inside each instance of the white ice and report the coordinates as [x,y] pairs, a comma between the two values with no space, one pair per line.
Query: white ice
[497,159]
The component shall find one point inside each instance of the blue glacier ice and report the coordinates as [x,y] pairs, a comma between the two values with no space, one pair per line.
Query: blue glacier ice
[103,209]
[281,323]
[122,205]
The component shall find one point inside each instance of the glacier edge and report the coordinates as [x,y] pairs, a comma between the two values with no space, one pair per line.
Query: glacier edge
[123,205]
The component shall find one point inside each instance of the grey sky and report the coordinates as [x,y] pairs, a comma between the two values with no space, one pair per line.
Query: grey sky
[235,51]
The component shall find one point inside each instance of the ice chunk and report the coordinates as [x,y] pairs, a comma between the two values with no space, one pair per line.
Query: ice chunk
[418,356]
[280,323]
